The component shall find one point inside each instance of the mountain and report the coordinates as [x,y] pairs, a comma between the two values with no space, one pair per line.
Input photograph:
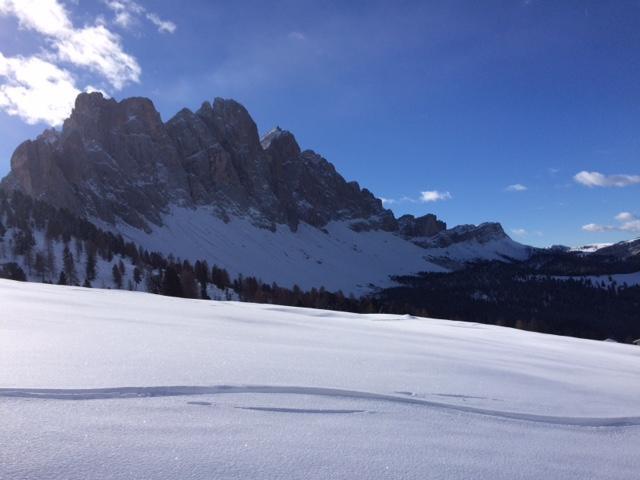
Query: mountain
[621,250]
[204,185]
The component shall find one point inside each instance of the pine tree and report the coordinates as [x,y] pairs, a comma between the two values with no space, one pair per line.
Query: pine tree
[189,285]
[137,276]
[90,267]
[69,266]
[62,280]
[40,265]
[117,276]
[171,285]
[50,259]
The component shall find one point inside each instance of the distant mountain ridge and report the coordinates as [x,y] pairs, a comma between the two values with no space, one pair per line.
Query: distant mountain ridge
[204,185]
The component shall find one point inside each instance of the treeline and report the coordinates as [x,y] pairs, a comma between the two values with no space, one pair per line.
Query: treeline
[550,262]
[504,294]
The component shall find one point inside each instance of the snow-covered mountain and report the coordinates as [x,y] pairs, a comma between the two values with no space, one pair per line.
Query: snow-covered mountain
[122,385]
[204,185]
[621,250]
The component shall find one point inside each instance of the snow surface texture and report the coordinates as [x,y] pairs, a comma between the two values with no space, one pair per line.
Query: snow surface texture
[336,257]
[98,384]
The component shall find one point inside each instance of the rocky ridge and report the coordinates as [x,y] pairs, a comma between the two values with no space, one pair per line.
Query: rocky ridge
[118,164]
[117,161]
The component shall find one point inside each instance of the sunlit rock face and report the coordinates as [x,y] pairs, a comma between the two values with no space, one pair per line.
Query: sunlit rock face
[118,161]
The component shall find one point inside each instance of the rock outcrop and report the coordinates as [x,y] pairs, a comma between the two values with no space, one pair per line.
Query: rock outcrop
[425,226]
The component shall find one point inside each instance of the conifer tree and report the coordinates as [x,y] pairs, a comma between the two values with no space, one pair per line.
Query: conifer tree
[69,266]
[90,267]
[117,276]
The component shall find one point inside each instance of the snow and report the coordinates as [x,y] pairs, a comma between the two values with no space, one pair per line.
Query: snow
[337,258]
[590,248]
[126,385]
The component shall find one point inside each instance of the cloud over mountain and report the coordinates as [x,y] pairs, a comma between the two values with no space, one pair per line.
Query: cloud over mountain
[42,87]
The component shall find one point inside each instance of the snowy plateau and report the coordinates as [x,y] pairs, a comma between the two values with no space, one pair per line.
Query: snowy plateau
[107,384]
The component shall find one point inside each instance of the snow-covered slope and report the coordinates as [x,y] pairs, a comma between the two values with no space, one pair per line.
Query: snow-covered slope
[122,385]
[590,248]
[335,257]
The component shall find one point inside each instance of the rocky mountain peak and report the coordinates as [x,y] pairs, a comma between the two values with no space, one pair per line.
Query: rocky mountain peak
[93,116]
[231,123]
[280,144]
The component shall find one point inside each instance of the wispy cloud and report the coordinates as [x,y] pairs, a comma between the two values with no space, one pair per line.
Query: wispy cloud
[434,196]
[628,222]
[516,187]
[124,11]
[427,196]
[128,12]
[164,26]
[297,36]
[523,232]
[597,179]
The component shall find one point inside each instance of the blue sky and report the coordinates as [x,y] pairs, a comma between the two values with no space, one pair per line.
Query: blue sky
[522,112]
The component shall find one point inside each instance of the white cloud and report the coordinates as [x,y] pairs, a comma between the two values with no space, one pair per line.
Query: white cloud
[99,50]
[42,87]
[625,217]
[127,12]
[48,17]
[596,179]
[124,11]
[36,90]
[425,197]
[164,26]
[594,227]
[521,232]
[93,47]
[434,196]
[628,223]
[516,187]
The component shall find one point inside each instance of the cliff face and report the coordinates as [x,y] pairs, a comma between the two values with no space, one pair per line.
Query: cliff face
[117,161]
